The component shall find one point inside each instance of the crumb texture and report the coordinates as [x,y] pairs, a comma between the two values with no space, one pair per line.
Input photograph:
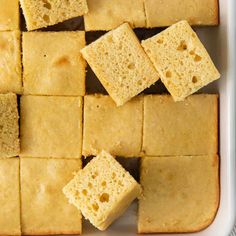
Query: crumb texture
[117,130]
[181,60]
[180,194]
[102,190]
[9,128]
[42,13]
[121,64]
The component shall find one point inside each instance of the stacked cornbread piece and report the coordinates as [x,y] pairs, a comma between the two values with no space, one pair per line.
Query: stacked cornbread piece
[49,124]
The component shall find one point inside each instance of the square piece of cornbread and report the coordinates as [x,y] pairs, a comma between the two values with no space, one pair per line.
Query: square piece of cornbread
[9,15]
[181,60]
[180,194]
[10,62]
[9,197]
[189,127]
[53,64]
[9,128]
[102,116]
[109,14]
[200,12]
[39,14]
[51,126]
[121,64]
[45,209]
[102,190]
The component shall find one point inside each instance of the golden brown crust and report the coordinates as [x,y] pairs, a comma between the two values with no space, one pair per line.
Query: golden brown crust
[10,62]
[10,196]
[197,13]
[100,114]
[55,66]
[45,210]
[203,225]
[109,14]
[52,121]
[52,232]
[189,127]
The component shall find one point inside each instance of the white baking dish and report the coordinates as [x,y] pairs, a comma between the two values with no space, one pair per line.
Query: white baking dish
[220,42]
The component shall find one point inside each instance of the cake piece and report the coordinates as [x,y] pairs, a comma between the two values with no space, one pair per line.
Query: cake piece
[43,13]
[53,64]
[181,60]
[117,130]
[109,14]
[121,64]
[10,62]
[9,197]
[184,128]
[180,194]
[51,126]
[9,15]
[102,190]
[200,12]
[9,128]
[45,209]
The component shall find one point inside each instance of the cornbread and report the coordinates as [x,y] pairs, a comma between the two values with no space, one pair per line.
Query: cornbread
[42,13]
[181,60]
[9,128]
[196,12]
[102,190]
[109,14]
[121,64]
[10,62]
[53,64]
[45,209]
[9,15]
[51,126]
[9,197]
[184,128]
[180,194]
[102,116]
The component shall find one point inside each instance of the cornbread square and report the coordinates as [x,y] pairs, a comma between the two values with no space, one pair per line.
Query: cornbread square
[121,64]
[109,14]
[180,194]
[184,128]
[9,128]
[102,116]
[53,64]
[9,197]
[9,15]
[10,62]
[181,60]
[45,209]
[102,190]
[200,12]
[39,14]
[51,126]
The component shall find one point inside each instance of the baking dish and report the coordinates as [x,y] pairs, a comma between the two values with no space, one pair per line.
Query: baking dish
[220,42]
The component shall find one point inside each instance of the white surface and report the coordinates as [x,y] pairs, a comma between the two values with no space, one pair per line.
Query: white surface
[220,42]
